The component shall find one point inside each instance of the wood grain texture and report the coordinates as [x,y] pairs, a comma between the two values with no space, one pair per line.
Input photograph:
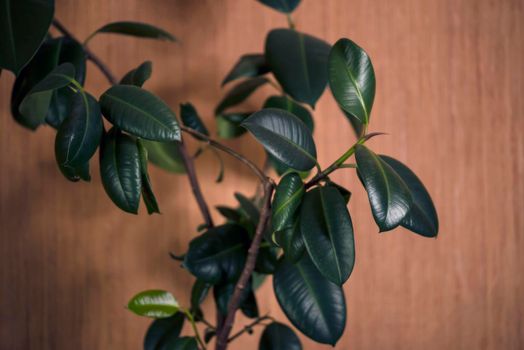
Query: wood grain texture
[450,81]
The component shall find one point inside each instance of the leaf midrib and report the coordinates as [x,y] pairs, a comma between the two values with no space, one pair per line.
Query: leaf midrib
[329,229]
[357,88]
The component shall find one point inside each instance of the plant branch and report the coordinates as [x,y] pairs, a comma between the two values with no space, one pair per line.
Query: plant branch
[195,329]
[234,303]
[90,55]
[255,169]
[248,327]
[195,186]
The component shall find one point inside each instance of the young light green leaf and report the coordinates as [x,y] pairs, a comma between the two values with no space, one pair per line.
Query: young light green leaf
[139,75]
[248,66]
[352,79]
[239,93]
[140,113]
[136,29]
[388,194]
[422,218]
[287,200]
[154,304]
[284,136]
[147,190]
[315,305]
[163,332]
[120,170]
[278,336]
[23,28]
[165,155]
[299,63]
[191,119]
[284,6]
[328,233]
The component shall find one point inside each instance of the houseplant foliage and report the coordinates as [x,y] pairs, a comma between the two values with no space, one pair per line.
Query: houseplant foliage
[296,227]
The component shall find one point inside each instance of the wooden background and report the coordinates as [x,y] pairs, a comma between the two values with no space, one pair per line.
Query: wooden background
[450,85]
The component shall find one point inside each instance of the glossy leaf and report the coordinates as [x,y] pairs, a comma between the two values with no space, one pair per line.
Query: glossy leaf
[356,125]
[291,241]
[388,194]
[284,136]
[328,233]
[352,79]
[23,28]
[136,29]
[287,200]
[287,104]
[285,6]
[184,343]
[239,93]
[147,190]
[120,170]
[299,63]
[218,255]
[278,336]
[198,295]
[228,125]
[248,66]
[165,155]
[191,119]
[163,332]
[79,135]
[139,75]
[154,303]
[75,174]
[315,305]
[346,194]
[422,218]
[140,113]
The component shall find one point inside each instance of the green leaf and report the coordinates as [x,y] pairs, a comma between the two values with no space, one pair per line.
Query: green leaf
[352,79]
[328,233]
[315,305]
[357,126]
[35,105]
[136,29]
[223,292]
[229,213]
[287,104]
[154,303]
[248,66]
[278,336]
[79,135]
[191,119]
[75,174]
[422,218]
[228,125]
[248,208]
[388,194]
[346,194]
[284,136]
[287,200]
[120,170]
[23,28]
[147,190]
[291,241]
[266,259]
[218,255]
[139,75]
[285,6]
[198,295]
[299,63]
[164,332]
[140,113]
[239,93]
[165,155]
[184,343]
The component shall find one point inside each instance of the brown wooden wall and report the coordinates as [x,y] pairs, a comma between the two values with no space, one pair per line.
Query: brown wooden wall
[450,86]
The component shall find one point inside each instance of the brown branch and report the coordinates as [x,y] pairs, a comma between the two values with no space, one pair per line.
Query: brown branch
[90,55]
[234,303]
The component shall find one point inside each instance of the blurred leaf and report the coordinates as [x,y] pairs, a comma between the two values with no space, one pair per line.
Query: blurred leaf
[147,190]
[191,119]
[165,155]
[248,66]
[137,29]
[154,303]
[239,93]
[184,343]
[228,125]
[139,75]
[164,332]
[285,6]
[278,336]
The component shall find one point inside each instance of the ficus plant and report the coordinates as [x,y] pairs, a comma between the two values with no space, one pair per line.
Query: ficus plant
[296,227]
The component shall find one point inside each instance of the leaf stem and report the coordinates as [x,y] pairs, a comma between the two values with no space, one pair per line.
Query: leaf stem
[195,329]
[248,327]
[290,22]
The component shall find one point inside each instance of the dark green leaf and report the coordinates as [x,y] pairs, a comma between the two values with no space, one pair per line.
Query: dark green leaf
[139,75]
[315,305]
[352,79]
[23,28]
[278,336]
[164,332]
[346,194]
[76,173]
[239,93]
[165,155]
[219,254]
[184,343]
[266,259]
[228,125]
[209,334]
[137,29]
[79,135]
[120,170]
[248,66]
[287,104]
[291,241]
[284,136]
[328,233]
[222,293]
[140,113]
[422,218]
[285,6]
[248,208]
[299,63]
[191,119]
[287,200]
[229,213]
[147,190]
[154,303]
[388,194]
[198,294]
